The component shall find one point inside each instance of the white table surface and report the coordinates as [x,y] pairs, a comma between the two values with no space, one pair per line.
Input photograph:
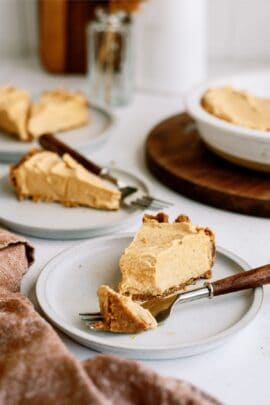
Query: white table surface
[237,372]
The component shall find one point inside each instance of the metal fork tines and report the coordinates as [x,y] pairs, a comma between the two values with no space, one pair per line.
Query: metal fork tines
[90,316]
[145,201]
[132,196]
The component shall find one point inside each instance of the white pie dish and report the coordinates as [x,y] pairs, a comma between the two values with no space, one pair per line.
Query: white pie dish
[243,146]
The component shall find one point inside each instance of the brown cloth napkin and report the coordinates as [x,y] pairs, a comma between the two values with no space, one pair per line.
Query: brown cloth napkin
[36,368]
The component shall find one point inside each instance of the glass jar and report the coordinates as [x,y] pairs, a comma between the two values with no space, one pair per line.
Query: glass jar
[110,59]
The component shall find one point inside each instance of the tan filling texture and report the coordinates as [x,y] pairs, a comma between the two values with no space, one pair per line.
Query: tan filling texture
[163,256]
[48,177]
[14,111]
[58,110]
[238,107]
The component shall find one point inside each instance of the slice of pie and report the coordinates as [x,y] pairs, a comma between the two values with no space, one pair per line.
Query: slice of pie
[45,176]
[165,257]
[58,110]
[14,111]
[121,314]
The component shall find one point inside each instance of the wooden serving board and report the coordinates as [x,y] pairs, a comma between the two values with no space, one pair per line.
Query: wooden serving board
[178,158]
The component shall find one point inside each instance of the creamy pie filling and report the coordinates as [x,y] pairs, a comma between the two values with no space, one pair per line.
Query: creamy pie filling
[58,110]
[238,107]
[46,176]
[164,257]
[14,111]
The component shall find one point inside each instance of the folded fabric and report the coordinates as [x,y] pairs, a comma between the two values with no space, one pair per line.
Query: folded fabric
[36,367]
[129,382]
[16,255]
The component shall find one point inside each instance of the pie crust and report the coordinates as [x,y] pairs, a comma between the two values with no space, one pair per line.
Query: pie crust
[161,218]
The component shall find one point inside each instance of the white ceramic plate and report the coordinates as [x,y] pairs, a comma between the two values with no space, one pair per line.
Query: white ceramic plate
[247,147]
[68,284]
[85,138]
[54,221]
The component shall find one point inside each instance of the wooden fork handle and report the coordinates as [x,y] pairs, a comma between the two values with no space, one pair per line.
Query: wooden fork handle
[241,281]
[49,142]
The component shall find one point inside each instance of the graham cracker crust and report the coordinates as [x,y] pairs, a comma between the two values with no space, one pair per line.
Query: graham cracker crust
[13,168]
[118,318]
[161,217]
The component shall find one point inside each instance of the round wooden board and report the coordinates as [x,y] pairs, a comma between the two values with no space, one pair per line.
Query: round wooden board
[179,159]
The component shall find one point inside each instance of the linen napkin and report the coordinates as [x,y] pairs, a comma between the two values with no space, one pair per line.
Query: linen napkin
[36,367]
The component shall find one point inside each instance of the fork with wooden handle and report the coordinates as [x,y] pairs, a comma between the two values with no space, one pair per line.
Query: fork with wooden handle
[162,308]
[130,195]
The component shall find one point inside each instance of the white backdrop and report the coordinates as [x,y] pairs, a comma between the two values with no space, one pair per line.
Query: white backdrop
[18,27]
[237,29]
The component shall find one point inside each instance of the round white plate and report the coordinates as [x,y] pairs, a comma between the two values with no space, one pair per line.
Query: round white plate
[55,221]
[244,146]
[86,138]
[68,284]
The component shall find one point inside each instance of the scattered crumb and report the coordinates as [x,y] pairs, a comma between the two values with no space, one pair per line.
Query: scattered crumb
[170,333]
[133,337]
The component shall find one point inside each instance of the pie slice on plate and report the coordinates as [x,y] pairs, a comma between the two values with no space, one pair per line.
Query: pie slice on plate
[58,110]
[165,257]
[121,314]
[14,111]
[45,176]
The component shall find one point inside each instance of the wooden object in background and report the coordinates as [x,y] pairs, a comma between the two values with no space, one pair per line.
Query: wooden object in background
[52,34]
[179,159]
[63,44]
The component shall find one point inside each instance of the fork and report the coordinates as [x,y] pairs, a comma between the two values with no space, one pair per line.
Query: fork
[131,197]
[162,308]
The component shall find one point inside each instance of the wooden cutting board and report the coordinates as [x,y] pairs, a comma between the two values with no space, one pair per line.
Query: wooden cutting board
[179,159]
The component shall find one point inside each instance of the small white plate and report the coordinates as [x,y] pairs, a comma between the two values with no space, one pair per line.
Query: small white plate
[54,221]
[68,284]
[243,146]
[86,138]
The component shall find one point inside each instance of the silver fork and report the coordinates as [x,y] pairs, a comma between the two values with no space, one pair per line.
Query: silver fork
[131,197]
[162,308]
